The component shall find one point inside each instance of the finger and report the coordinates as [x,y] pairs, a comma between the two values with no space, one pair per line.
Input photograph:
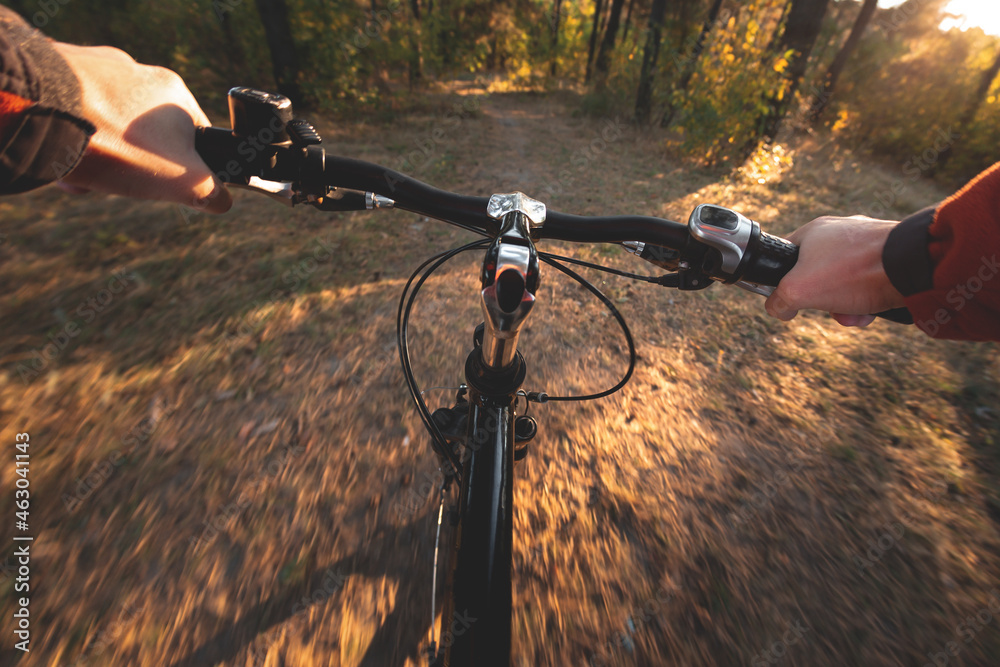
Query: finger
[777,307]
[197,115]
[859,321]
[112,53]
[794,236]
[212,196]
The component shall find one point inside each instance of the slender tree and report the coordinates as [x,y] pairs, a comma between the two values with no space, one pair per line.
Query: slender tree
[772,46]
[601,63]
[416,65]
[555,36]
[284,60]
[805,18]
[650,54]
[985,83]
[236,59]
[837,66]
[594,31]
[971,110]
[628,19]
[691,62]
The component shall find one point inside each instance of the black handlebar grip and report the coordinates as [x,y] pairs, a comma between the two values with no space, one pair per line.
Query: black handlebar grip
[213,144]
[773,257]
[768,259]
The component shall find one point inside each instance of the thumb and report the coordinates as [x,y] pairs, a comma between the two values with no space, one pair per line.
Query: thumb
[776,306]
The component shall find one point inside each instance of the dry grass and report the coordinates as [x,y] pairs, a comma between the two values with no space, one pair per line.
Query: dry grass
[197,397]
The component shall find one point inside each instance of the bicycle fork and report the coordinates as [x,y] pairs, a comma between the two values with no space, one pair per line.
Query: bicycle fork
[478,629]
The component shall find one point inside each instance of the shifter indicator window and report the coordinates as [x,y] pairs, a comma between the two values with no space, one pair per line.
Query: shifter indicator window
[716,216]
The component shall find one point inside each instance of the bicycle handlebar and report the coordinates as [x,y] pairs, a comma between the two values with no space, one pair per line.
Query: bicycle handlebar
[268,151]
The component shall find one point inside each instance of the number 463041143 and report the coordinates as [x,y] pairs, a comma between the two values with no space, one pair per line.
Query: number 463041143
[21,443]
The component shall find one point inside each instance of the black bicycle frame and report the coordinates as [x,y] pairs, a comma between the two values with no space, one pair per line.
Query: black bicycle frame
[479,630]
[476,630]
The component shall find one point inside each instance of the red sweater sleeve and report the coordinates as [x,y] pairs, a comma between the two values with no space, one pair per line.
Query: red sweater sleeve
[42,135]
[964,248]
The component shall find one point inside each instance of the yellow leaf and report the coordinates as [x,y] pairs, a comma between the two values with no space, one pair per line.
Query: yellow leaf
[780,66]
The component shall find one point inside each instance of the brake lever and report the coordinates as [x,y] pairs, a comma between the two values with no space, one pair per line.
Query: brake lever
[279,192]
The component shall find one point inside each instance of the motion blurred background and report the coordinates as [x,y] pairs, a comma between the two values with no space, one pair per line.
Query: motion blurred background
[880,76]
[226,469]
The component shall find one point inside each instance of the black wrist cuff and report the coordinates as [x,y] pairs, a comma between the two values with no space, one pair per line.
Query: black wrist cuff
[906,258]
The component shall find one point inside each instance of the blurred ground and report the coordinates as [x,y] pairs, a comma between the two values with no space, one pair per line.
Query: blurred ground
[225,469]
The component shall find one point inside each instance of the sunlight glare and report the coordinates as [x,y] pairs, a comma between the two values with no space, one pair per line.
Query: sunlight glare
[971,14]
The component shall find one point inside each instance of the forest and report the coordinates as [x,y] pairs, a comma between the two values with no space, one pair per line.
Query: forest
[226,468]
[716,79]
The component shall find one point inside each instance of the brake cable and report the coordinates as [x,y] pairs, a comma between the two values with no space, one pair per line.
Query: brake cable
[407,299]
[545,257]
[438,441]
[607,269]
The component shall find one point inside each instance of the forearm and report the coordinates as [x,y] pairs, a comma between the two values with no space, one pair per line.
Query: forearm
[43,132]
[945,263]
[95,119]
[839,270]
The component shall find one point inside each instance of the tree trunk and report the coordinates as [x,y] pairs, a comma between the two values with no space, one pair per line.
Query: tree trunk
[985,83]
[236,59]
[602,62]
[683,21]
[691,63]
[278,30]
[860,24]
[969,115]
[598,4]
[555,37]
[628,19]
[776,35]
[650,54]
[416,64]
[805,18]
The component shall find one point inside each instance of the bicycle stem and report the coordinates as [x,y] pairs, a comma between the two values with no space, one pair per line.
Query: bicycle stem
[510,276]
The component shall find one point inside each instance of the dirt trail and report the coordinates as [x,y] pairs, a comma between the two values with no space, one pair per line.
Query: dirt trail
[226,471]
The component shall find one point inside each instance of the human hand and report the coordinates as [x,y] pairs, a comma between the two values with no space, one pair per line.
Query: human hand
[144,144]
[839,270]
